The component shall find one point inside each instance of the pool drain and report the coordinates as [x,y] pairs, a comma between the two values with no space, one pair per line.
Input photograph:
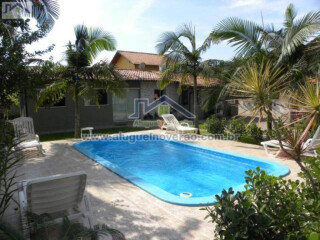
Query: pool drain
[186,194]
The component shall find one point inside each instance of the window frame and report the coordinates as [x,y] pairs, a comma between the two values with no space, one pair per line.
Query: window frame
[88,104]
[53,107]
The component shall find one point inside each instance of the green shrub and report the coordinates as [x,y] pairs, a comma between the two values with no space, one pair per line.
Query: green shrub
[248,139]
[269,208]
[6,133]
[254,132]
[215,125]
[9,162]
[236,126]
[247,134]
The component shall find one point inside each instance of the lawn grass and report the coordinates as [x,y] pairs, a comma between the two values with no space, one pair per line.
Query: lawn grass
[70,135]
[203,129]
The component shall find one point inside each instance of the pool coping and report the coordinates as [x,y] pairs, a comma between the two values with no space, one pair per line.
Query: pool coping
[280,170]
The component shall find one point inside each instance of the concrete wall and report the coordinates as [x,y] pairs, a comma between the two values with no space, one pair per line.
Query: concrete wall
[61,119]
[280,108]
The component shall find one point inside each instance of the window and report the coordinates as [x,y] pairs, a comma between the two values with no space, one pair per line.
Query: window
[102,99]
[123,107]
[185,98]
[60,103]
[158,93]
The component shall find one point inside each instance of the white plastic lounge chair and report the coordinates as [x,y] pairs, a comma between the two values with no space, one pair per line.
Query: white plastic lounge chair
[59,196]
[310,146]
[24,133]
[171,123]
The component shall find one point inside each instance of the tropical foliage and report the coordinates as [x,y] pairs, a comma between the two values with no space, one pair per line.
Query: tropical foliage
[9,162]
[285,45]
[222,70]
[307,101]
[260,84]
[269,208]
[183,62]
[82,77]
[17,78]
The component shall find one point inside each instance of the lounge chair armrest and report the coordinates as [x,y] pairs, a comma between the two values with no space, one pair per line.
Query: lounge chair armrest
[37,137]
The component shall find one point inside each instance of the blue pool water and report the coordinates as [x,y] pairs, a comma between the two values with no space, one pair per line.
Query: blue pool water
[167,168]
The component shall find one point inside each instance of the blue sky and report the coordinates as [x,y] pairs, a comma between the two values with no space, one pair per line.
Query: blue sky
[137,24]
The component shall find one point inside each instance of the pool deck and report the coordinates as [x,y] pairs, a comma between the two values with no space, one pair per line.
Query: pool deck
[124,206]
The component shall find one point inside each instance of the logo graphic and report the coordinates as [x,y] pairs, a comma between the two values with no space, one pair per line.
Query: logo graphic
[162,101]
[16,10]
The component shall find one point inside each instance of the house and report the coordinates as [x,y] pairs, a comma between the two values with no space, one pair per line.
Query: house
[141,71]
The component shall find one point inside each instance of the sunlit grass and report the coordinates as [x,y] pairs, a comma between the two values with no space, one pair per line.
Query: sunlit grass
[70,135]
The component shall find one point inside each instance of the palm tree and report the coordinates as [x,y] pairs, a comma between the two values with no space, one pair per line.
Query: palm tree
[80,78]
[45,11]
[183,62]
[285,45]
[260,84]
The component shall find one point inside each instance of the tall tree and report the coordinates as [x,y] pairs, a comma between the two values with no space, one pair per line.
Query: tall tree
[183,60]
[16,75]
[81,78]
[286,45]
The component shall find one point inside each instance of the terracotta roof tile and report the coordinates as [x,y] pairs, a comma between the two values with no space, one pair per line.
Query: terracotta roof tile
[139,57]
[138,75]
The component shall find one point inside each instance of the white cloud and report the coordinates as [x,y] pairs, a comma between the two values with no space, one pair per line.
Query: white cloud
[243,3]
[130,23]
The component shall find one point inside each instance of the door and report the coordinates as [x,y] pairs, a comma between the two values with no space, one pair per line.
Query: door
[124,107]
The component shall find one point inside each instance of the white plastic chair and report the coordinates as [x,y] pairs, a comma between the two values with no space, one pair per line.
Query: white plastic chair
[171,123]
[310,146]
[24,133]
[59,196]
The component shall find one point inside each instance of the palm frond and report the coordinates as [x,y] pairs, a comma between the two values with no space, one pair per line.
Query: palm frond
[242,34]
[307,101]
[82,37]
[52,93]
[90,42]
[74,58]
[100,76]
[290,15]
[170,41]
[299,33]
[210,97]
[170,73]
[46,12]
[100,40]
[188,31]
[272,39]
[258,83]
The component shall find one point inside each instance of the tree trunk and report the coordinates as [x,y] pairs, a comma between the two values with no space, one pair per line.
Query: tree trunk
[23,104]
[76,116]
[195,103]
[269,124]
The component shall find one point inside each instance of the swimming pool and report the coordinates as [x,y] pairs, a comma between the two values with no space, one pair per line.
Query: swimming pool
[167,169]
